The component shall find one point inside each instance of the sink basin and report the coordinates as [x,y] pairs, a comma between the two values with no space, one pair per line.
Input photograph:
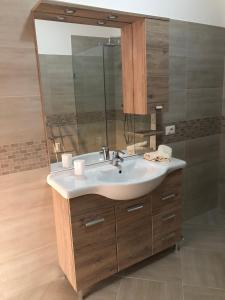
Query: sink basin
[134,179]
[137,178]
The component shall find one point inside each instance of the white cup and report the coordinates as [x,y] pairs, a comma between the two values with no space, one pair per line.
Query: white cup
[79,166]
[67,160]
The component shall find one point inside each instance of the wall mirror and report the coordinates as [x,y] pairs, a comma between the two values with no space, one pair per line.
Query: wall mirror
[81,81]
[94,79]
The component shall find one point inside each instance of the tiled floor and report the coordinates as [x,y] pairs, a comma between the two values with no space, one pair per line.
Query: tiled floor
[196,272]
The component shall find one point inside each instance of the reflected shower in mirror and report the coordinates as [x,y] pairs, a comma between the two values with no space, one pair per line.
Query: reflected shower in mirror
[81,80]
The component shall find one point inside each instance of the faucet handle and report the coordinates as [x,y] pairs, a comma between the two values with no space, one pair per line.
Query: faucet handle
[105,152]
[120,151]
[116,154]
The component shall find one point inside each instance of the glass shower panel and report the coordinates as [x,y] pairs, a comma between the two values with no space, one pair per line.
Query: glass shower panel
[114,96]
[89,89]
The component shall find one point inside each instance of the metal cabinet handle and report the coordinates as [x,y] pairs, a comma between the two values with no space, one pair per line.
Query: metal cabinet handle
[169,218]
[170,196]
[133,208]
[168,237]
[94,222]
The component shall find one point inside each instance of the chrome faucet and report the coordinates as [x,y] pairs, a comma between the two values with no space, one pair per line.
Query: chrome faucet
[116,158]
[105,152]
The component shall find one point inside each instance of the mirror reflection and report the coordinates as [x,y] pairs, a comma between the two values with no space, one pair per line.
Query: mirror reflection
[81,79]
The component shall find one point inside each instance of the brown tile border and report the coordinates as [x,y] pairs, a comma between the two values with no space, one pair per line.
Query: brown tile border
[186,130]
[83,118]
[31,155]
[25,156]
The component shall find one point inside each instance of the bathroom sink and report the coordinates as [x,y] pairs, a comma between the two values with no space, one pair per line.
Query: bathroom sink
[127,172]
[134,178]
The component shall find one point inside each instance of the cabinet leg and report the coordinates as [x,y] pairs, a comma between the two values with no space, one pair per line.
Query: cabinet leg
[179,243]
[177,246]
[80,295]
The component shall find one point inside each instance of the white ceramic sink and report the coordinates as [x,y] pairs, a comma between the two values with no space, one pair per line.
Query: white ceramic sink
[138,178]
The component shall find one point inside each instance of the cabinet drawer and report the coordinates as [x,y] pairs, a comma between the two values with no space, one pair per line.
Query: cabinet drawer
[88,203]
[134,232]
[94,229]
[166,241]
[95,264]
[168,194]
[166,222]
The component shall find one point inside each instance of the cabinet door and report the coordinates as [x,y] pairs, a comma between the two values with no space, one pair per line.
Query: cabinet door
[134,232]
[94,228]
[94,236]
[157,40]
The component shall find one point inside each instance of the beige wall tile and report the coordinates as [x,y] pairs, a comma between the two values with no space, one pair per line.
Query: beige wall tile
[20,235]
[27,271]
[20,120]
[57,290]
[28,249]
[15,23]
[32,225]
[18,72]
[24,192]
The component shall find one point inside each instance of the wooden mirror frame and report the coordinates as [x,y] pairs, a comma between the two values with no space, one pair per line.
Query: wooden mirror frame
[53,11]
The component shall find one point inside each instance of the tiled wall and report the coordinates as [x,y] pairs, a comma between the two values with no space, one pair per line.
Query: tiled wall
[27,237]
[196,85]
[28,255]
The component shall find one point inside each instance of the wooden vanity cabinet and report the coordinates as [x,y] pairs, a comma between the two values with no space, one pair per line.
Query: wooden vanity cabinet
[97,236]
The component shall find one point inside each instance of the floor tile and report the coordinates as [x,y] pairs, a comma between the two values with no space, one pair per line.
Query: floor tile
[196,293]
[136,289]
[204,268]
[214,217]
[163,267]
[107,290]
[203,237]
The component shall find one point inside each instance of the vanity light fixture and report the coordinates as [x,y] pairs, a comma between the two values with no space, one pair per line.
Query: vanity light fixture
[112,17]
[69,11]
[101,22]
[60,18]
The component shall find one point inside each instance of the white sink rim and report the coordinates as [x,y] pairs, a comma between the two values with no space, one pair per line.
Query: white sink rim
[70,186]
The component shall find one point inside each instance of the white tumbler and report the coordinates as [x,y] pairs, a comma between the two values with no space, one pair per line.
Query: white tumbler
[79,166]
[67,160]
